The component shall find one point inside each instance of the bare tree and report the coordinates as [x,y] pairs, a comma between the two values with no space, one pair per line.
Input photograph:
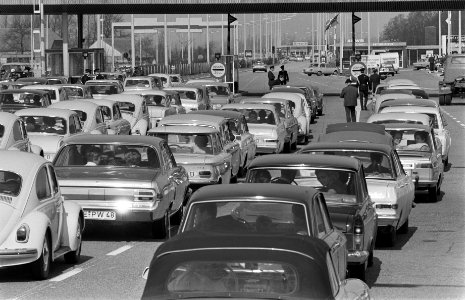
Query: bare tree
[107,20]
[15,37]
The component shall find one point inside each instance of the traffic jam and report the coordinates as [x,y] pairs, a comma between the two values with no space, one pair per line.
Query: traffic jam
[262,209]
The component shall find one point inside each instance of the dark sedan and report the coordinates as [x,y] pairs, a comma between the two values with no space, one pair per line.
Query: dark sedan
[342,181]
[198,265]
[267,209]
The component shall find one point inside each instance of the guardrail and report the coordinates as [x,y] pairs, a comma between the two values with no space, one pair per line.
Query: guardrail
[183,69]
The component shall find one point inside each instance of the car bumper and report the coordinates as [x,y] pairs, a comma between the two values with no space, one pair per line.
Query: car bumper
[19,256]
[387,220]
[423,184]
[266,149]
[356,257]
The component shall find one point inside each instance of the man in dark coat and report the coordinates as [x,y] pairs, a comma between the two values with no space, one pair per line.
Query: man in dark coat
[431,63]
[283,76]
[363,81]
[350,95]
[85,77]
[271,78]
[375,80]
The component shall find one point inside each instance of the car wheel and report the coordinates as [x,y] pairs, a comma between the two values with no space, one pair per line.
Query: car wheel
[371,255]
[177,216]
[320,112]
[160,227]
[319,73]
[358,271]
[446,162]
[442,100]
[391,237]
[294,146]
[433,194]
[253,71]
[305,140]
[404,228]
[73,257]
[448,100]
[309,74]
[41,267]
[287,147]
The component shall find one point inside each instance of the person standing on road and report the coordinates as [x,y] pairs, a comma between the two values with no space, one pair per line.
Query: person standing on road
[431,63]
[85,77]
[271,77]
[350,95]
[363,81]
[283,76]
[375,80]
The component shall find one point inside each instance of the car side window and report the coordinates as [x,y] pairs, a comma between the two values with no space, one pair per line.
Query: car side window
[170,157]
[167,163]
[23,129]
[54,180]
[333,279]
[144,107]
[77,123]
[43,184]
[324,213]
[17,134]
[320,225]
[99,116]
[72,126]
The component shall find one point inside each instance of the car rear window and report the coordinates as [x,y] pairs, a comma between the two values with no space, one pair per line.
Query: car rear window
[10,184]
[45,124]
[20,99]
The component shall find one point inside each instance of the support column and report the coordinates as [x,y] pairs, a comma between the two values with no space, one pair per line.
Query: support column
[253,36]
[113,69]
[208,39]
[166,43]
[42,39]
[64,33]
[133,45]
[80,30]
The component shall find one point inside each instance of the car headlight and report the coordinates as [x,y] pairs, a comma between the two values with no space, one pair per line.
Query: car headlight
[22,234]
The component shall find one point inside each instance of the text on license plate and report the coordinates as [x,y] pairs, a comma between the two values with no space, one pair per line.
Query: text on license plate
[99,215]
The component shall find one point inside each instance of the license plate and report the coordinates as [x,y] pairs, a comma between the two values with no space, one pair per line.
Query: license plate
[99,215]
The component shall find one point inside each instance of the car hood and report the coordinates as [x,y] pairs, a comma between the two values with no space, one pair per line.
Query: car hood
[191,159]
[98,177]
[218,99]
[49,143]
[8,219]
[262,129]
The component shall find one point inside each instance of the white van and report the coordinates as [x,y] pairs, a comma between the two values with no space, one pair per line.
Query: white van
[390,58]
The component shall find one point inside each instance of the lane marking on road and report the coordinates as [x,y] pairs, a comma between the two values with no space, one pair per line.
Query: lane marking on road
[453,118]
[120,250]
[66,275]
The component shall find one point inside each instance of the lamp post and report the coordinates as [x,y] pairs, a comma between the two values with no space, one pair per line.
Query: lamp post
[208,39]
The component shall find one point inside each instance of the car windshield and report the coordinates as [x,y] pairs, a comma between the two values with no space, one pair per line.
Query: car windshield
[2,131]
[54,81]
[45,125]
[21,99]
[391,121]
[137,83]
[175,79]
[127,106]
[218,90]
[74,91]
[155,100]
[258,116]
[187,95]
[103,89]
[82,114]
[242,216]
[411,139]
[10,184]
[187,142]
[376,165]
[336,185]
[108,155]
[206,278]
[51,92]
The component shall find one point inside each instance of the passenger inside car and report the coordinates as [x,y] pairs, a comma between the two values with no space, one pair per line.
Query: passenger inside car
[205,213]
[375,166]
[202,276]
[262,176]
[201,145]
[397,137]
[252,117]
[331,181]
[132,158]
[93,156]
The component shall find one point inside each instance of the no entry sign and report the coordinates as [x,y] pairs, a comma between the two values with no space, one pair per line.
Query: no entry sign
[218,70]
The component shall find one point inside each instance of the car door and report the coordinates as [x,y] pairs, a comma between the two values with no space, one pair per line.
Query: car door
[59,203]
[50,204]
[247,139]
[178,176]
[166,183]
[335,239]
[367,211]
[231,147]
[442,123]
[100,121]
[120,125]
[404,187]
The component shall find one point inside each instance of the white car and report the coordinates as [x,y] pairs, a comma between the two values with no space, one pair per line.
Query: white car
[301,112]
[90,114]
[438,120]
[169,80]
[138,83]
[38,226]
[112,116]
[14,135]
[391,118]
[384,97]
[57,93]
[158,104]
[47,127]
[134,109]
[191,97]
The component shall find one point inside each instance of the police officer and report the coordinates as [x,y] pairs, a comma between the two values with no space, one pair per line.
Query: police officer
[363,82]
[271,77]
[85,77]
[375,80]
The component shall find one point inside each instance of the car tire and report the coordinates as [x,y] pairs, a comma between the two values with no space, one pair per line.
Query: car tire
[253,71]
[404,228]
[287,147]
[319,73]
[320,112]
[433,194]
[358,271]
[448,100]
[41,267]
[335,73]
[446,162]
[305,141]
[309,74]
[160,228]
[177,216]
[73,257]
[294,146]
[391,237]
[371,255]
[442,100]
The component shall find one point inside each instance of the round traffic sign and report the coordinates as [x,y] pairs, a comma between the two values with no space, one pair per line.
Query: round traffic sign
[218,70]
[355,70]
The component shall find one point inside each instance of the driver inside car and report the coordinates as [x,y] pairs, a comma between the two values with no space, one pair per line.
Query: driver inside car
[331,181]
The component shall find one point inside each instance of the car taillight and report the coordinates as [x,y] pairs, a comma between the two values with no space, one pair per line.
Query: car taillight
[206,174]
[22,234]
[145,195]
[358,233]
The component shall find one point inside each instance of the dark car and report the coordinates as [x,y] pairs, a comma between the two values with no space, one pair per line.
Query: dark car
[266,209]
[453,83]
[14,100]
[259,66]
[356,132]
[342,182]
[198,265]
[390,188]
[417,91]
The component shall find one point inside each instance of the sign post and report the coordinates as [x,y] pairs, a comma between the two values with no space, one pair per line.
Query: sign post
[218,70]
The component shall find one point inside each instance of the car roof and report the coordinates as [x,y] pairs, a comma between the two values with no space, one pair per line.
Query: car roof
[260,191]
[23,163]
[133,98]
[357,136]
[264,100]
[101,101]
[409,102]
[400,81]
[347,145]
[285,89]
[284,95]
[411,109]
[386,115]
[355,126]
[398,94]
[21,91]
[190,118]
[248,106]
[183,129]
[45,111]
[407,126]
[41,86]
[32,79]
[181,88]
[75,104]
[72,85]
[228,114]
[145,92]
[296,160]
[102,81]
[112,139]
[158,74]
